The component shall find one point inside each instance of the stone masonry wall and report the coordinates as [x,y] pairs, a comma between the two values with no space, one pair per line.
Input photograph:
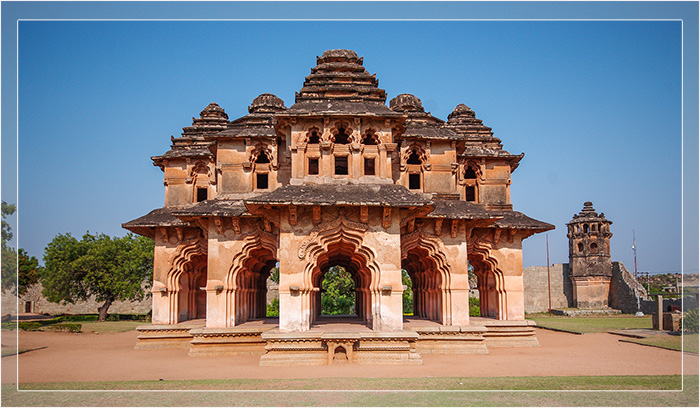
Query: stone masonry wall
[39,305]
[535,288]
[623,288]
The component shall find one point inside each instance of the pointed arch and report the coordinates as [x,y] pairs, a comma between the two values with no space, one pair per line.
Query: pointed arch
[187,266]
[340,242]
[244,285]
[423,256]
[490,280]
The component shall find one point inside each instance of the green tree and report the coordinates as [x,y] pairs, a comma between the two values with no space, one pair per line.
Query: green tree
[338,292]
[107,268]
[19,270]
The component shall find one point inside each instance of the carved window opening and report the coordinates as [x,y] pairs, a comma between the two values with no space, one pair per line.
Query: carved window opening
[262,158]
[313,167]
[201,194]
[370,138]
[414,181]
[585,228]
[341,165]
[594,247]
[369,166]
[261,181]
[470,194]
[580,247]
[313,137]
[413,158]
[469,173]
[594,227]
[341,137]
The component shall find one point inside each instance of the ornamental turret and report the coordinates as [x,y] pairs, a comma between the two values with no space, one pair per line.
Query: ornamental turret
[589,258]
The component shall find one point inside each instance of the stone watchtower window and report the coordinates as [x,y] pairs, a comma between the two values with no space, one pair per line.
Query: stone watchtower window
[414,181]
[369,166]
[313,167]
[201,194]
[580,247]
[341,165]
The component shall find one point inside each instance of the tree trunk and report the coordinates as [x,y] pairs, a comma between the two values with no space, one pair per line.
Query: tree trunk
[103,310]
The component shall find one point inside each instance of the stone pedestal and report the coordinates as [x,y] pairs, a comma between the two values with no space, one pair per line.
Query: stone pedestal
[591,292]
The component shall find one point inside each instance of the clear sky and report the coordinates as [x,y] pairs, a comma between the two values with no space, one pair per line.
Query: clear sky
[596,106]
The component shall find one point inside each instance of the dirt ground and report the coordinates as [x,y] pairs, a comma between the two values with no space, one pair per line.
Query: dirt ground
[62,357]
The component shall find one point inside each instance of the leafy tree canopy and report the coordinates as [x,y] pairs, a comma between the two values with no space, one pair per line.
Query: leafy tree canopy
[338,292]
[19,270]
[108,268]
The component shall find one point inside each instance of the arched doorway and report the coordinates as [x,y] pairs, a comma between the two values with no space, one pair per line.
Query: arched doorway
[489,285]
[428,299]
[187,298]
[353,279]
[246,283]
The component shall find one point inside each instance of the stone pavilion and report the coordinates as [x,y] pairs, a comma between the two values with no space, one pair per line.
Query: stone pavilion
[337,178]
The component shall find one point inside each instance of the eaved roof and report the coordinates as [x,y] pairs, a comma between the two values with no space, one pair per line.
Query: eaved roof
[390,195]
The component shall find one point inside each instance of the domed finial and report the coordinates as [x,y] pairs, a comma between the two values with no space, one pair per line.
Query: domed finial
[406,103]
[213,110]
[461,110]
[266,103]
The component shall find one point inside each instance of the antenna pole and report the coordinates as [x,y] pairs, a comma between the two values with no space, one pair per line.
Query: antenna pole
[634,248]
[549,284]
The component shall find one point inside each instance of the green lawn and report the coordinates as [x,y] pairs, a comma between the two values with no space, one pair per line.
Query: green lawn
[591,324]
[687,341]
[110,327]
[580,391]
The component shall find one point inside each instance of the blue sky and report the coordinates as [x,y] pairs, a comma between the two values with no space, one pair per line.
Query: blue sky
[595,105]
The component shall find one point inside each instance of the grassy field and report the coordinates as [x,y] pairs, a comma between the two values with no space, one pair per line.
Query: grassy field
[110,327]
[580,391]
[687,341]
[591,324]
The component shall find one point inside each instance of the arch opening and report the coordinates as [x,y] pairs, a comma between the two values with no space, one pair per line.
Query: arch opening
[345,271]
[489,283]
[429,300]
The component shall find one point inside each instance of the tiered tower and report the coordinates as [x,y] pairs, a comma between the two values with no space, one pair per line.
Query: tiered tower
[589,258]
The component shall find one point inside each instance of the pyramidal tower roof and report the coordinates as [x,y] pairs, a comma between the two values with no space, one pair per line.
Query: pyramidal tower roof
[339,74]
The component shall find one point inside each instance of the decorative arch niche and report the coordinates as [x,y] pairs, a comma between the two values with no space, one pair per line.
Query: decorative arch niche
[339,242]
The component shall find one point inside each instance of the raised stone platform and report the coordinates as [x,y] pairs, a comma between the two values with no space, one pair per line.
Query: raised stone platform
[154,336]
[585,312]
[339,340]
[509,333]
[315,348]
[233,341]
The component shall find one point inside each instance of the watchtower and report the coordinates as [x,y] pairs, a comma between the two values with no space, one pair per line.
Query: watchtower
[589,258]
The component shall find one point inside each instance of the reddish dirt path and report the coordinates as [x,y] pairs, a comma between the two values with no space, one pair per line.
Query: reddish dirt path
[111,357]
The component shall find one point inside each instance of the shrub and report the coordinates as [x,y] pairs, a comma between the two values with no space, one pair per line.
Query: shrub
[28,326]
[474,308]
[689,321]
[64,327]
[79,318]
[273,309]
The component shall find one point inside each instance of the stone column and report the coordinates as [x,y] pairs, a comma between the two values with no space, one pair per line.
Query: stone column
[659,307]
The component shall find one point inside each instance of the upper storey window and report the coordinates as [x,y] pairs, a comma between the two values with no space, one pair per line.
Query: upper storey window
[314,138]
[341,137]
[413,158]
[470,174]
[262,176]
[370,138]
[471,187]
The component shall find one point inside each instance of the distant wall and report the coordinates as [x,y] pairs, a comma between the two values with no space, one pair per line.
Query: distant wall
[536,289]
[39,305]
